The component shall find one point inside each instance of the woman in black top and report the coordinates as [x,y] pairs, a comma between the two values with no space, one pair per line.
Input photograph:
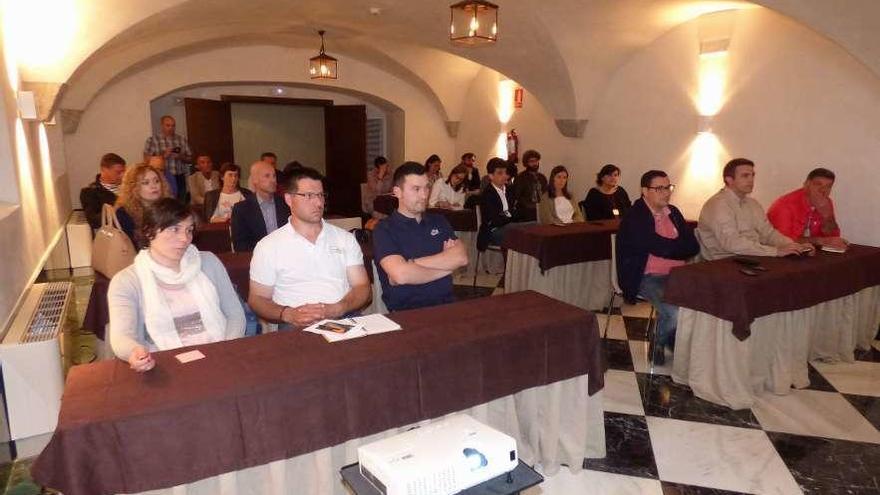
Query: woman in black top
[607,200]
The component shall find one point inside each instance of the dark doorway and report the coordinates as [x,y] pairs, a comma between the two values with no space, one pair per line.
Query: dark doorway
[345,128]
[209,128]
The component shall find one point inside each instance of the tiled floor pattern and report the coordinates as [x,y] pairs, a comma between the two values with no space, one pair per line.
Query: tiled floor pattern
[663,439]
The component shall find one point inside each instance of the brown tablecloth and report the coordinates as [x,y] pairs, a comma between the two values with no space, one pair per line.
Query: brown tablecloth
[259,399]
[720,289]
[554,245]
[213,237]
[461,220]
[385,203]
[238,266]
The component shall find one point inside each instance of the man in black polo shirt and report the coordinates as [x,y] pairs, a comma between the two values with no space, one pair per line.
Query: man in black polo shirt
[416,251]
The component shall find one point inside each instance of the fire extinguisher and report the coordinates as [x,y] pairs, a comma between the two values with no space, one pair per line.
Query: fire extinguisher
[512,147]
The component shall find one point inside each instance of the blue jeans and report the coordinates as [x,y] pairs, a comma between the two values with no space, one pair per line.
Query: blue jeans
[497,235]
[652,288]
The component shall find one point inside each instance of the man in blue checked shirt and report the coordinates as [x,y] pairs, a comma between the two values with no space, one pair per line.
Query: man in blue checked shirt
[174,149]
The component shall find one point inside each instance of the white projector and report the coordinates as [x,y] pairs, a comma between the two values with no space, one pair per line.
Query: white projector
[440,458]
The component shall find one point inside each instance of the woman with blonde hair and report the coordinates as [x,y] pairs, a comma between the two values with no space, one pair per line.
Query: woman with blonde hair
[142,185]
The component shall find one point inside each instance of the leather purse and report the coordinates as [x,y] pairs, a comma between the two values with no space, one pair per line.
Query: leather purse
[112,250]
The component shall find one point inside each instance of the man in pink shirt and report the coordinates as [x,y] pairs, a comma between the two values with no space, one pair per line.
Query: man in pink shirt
[652,240]
[807,214]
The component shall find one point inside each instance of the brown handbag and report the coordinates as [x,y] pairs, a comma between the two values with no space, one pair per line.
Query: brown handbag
[112,250]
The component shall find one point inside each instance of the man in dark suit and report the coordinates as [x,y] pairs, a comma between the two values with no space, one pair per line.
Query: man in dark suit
[497,207]
[259,214]
[653,239]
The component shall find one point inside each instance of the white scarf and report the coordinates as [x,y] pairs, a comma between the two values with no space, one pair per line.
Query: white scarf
[157,314]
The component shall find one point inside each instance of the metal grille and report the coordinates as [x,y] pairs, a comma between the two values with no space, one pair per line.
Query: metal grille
[49,316]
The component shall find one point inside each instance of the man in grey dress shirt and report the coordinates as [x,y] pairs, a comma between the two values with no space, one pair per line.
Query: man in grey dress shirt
[731,223]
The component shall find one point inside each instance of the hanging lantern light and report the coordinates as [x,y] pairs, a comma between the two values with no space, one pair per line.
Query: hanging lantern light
[322,66]
[473,22]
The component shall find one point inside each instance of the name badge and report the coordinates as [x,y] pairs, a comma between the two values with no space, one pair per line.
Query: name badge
[616,212]
[335,250]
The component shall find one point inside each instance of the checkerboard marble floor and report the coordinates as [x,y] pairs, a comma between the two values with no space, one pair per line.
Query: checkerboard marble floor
[824,439]
[661,439]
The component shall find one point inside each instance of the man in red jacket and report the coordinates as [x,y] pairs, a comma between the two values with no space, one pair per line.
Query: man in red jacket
[807,214]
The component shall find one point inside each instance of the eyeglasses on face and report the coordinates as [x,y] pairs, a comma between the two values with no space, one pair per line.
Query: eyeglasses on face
[670,188]
[310,195]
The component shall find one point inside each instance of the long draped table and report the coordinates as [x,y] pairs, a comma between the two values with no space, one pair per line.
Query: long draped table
[570,263]
[282,412]
[739,336]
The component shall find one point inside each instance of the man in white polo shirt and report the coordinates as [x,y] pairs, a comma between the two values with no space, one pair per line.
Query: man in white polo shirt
[307,270]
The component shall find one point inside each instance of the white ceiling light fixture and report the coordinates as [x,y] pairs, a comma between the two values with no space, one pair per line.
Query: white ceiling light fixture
[473,22]
[322,66]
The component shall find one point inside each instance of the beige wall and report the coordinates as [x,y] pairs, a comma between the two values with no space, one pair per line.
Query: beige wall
[794,101]
[481,125]
[34,196]
[118,119]
[291,132]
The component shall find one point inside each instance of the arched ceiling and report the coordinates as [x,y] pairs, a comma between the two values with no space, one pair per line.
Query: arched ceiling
[562,51]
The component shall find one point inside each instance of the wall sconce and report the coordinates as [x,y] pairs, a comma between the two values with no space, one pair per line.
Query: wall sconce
[27,105]
[473,22]
[322,66]
[704,124]
[716,47]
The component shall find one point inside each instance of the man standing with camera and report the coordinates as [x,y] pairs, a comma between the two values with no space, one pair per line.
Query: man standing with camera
[174,149]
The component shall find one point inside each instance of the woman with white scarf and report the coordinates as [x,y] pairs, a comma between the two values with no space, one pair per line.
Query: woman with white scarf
[173,295]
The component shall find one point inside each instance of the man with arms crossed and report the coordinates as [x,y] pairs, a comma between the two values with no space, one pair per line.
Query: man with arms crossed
[416,251]
[307,270]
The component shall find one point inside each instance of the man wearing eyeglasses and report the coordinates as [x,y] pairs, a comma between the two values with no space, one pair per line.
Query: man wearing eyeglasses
[260,213]
[654,238]
[416,252]
[732,223]
[307,270]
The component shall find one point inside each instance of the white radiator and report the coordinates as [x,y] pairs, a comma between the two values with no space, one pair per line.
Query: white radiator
[32,359]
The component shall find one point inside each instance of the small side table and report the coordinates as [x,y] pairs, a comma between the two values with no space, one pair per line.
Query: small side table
[521,478]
